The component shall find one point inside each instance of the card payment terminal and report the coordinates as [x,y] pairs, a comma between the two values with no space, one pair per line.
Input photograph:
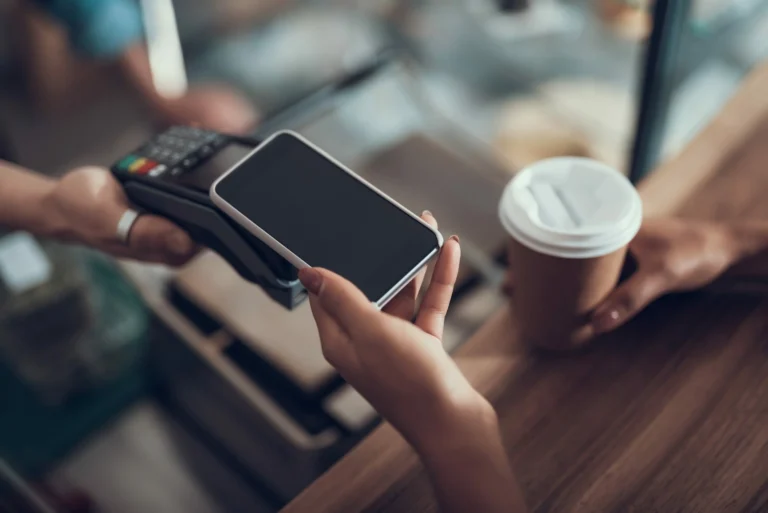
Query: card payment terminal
[171,175]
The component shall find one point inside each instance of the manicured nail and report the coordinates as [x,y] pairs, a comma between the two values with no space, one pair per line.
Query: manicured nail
[426,213]
[607,320]
[311,279]
[455,237]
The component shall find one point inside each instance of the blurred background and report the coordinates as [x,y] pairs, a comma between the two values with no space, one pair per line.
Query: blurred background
[126,387]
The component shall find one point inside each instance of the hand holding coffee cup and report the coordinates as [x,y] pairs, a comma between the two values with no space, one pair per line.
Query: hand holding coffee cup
[570,221]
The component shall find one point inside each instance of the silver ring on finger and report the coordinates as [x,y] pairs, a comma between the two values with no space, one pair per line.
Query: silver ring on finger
[125,225]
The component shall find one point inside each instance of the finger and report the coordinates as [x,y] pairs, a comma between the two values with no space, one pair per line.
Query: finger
[340,299]
[629,299]
[414,288]
[437,299]
[334,341]
[157,239]
[404,304]
[327,326]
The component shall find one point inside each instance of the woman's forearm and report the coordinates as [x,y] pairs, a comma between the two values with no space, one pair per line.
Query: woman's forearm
[23,195]
[470,470]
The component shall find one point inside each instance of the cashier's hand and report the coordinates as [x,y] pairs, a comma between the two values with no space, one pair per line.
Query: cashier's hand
[215,107]
[673,255]
[399,366]
[86,205]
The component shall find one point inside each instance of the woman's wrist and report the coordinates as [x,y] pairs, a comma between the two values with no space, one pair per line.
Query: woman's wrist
[467,463]
[457,430]
[746,239]
[748,243]
[53,222]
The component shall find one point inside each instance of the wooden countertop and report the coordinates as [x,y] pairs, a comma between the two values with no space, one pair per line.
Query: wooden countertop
[669,414]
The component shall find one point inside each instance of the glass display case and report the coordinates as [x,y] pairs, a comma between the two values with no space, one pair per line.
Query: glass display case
[624,81]
[523,80]
[698,55]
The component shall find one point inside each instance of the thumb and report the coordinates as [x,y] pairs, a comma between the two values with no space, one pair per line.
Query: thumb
[158,239]
[339,298]
[629,299]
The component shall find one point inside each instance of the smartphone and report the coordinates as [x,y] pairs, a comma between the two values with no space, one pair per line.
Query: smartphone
[315,212]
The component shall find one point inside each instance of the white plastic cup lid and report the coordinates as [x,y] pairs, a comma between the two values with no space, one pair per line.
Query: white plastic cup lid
[571,208]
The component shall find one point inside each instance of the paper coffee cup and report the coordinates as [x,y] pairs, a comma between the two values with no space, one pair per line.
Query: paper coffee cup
[570,221]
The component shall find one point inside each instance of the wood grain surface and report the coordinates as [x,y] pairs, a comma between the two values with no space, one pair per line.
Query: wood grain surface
[670,414]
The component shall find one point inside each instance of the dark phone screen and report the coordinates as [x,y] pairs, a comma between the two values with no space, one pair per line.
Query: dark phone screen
[326,216]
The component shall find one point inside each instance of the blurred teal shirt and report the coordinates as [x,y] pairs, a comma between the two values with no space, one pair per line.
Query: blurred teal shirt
[98,28]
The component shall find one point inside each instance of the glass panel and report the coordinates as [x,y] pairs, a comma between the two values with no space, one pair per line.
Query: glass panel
[277,51]
[722,41]
[525,78]
[533,79]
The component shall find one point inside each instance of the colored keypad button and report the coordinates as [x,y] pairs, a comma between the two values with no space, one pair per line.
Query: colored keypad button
[148,166]
[136,165]
[125,164]
[158,170]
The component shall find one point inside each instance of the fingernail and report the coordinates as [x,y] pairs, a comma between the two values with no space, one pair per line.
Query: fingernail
[455,237]
[606,321]
[312,280]
[426,213]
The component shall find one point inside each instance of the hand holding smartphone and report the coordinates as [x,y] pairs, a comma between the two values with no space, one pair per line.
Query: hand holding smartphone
[315,212]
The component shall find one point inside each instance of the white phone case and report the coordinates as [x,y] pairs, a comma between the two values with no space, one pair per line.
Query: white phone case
[286,253]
